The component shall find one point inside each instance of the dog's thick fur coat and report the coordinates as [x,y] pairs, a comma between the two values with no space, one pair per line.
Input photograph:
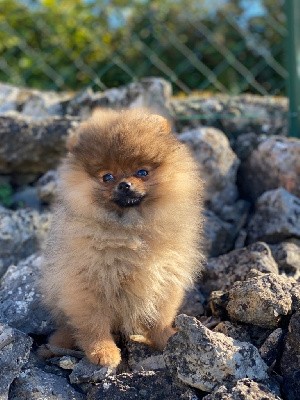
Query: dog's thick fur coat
[109,268]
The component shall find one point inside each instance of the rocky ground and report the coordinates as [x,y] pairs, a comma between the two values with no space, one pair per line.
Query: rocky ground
[239,328]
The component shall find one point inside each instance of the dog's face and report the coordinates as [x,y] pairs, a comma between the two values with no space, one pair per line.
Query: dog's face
[125,188]
[125,154]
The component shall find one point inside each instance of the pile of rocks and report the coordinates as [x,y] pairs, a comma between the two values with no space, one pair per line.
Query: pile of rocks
[239,328]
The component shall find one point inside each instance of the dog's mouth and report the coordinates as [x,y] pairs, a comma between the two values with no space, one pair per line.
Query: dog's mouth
[129,200]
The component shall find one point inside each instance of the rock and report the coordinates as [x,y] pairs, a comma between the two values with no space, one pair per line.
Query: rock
[14,353]
[20,300]
[64,362]
[291,385]
[233,330]
[218,164]
[228,113]
[86,372]
[219,235]
[235,214]
[290,368]
[263,299]
[258,335]
[193,111]
[205,359]
[220,273]
[26,197]
[82,102]
[217,302]
[151,92]
[243,332]
[271,348]
[244,389]
[276,217]
[36,384]
[148,92]
[31,102]
[22,233]
[193,302]
[240,241]
[150,385]
[274,163]
[287,256]
[228,221]
[32,147]
[60,366]
[21,180]
[244,145]
[143,358]
[47,186]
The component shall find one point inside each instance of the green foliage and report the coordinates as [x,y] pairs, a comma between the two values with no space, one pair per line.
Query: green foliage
[54,44]
[6,194]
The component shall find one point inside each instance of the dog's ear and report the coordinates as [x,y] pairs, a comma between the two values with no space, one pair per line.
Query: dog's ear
[164,124]
[73,139]
[99,117]
[102,114]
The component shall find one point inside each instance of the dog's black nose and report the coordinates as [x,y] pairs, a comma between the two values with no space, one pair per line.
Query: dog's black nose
[124,187]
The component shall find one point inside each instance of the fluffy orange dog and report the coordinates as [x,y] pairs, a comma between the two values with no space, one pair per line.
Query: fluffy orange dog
[124,244]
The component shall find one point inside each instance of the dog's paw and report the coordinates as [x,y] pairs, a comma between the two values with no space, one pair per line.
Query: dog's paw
[104,353]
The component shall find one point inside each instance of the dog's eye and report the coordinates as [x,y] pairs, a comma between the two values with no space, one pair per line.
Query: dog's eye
[108,177]
[141,172]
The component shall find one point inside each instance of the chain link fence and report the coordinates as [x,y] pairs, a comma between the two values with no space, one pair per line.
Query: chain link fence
[229,47]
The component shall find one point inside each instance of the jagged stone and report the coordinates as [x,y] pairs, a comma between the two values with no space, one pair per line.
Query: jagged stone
[195,111]
[219,235]
[33,146]
[218,163]
[290,368]
[86,372]
[20,299]
[271,348]
[276,217]
[220,273]
[233,330]
[14,353]
[263,299]
[244,145]
[287,256]
[36,384]
[151,92]
[22,233]
[205,359]
[245,389]
[144,358]
[31,102]
[193,301]
[150,385]
[274,163]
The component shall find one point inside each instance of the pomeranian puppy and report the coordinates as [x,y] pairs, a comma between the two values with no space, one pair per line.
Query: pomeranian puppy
[124,242]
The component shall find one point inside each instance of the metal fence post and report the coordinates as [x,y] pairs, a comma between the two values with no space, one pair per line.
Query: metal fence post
[293,61]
